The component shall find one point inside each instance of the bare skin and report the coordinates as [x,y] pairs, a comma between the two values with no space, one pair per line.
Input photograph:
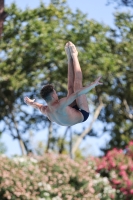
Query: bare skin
[60,110]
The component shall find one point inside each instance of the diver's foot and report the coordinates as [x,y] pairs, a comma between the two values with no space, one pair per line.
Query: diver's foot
[68,53]
[73,49]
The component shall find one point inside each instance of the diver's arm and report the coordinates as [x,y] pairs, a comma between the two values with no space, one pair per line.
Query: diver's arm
[34,104]
[68,100]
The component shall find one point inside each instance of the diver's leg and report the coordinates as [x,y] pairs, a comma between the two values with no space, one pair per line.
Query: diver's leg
[70,85]
[82,100]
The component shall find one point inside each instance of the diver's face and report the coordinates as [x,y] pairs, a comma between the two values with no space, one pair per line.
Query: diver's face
[55,96]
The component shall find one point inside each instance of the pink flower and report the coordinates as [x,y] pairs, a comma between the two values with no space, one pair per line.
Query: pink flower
[129,183]
[122,173]
[112,196]
[91,190]
[122,189]
[131,168]
[116,181]
[131,191]
[125,192]
[130,143]
[112,163]
[101,167]
[123,167]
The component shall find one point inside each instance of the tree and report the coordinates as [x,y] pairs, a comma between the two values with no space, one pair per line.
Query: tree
[25,33]
[3,15]
[20,74]
[102,51]
[3,147]
[119,110]
[127,3]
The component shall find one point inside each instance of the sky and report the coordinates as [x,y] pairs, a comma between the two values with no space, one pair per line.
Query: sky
[96,10]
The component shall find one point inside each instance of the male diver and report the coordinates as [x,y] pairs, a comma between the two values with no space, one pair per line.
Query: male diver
[74,108]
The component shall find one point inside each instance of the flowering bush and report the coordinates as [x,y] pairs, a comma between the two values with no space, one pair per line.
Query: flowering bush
[51,177]
[117,165]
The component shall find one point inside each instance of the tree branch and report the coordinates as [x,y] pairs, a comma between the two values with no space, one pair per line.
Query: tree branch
[87,130]
[10,128]
[49,136]
[22,146]
[63,139]
[71,144]
[128,114]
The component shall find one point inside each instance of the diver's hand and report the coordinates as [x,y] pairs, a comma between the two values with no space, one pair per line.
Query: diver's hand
[96,82]
[28,101]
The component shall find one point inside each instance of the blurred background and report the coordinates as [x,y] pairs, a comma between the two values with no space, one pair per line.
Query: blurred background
[40,160]
[32,54]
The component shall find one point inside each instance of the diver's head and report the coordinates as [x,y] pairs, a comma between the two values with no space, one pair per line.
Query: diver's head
[48,93]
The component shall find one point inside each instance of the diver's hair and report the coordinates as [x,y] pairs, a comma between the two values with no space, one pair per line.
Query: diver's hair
[46,92]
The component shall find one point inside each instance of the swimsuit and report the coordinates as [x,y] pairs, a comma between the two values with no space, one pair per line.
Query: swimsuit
[84,113]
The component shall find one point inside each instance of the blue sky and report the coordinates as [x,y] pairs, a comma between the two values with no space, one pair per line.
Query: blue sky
[97,10]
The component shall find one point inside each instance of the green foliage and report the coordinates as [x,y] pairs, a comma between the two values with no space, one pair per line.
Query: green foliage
[32,55]
[127,3]
[119,109]
[3,148]
[51,177]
